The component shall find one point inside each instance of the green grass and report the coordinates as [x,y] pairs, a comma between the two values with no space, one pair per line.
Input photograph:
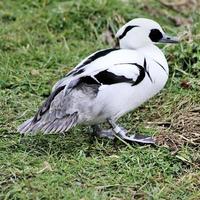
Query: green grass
[40,41]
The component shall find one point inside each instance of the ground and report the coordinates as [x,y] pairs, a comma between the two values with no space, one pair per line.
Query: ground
[42,40]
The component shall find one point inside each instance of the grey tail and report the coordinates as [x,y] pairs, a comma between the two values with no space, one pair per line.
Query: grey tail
[58,125]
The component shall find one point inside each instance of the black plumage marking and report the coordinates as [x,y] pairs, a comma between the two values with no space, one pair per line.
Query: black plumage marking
[141,74]
[70,73]
[142,70]
[47,103]
[78,72]
[127,29]
[161,66]
[145,67]
[92,58]
[108,78]
[96,56]
[155,35]
[104,77]
[88,80]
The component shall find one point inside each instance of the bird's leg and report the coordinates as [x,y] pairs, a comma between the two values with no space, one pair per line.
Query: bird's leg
[102,133]
[121,132]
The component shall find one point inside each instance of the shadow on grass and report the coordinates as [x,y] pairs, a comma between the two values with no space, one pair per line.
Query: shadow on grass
[72,143]
[76,141]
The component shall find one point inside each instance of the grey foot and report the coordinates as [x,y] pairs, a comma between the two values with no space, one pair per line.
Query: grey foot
[139,138]
[103,133]
[122,133]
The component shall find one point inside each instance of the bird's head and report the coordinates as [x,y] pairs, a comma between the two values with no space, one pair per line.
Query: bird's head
[140,32]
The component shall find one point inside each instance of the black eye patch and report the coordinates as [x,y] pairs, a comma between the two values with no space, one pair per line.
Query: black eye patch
[155,35]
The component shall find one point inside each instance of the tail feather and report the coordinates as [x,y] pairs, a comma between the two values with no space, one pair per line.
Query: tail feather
[57,126]
[61,126]
[45,128]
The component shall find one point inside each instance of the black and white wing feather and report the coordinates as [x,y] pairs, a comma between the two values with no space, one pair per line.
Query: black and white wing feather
[119,62]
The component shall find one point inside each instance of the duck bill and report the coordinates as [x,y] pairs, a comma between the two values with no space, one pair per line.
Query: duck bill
[169,39]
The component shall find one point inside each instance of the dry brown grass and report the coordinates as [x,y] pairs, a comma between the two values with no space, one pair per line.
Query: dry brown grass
[183,130]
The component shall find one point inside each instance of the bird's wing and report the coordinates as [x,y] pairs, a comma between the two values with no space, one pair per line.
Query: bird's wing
[61,109]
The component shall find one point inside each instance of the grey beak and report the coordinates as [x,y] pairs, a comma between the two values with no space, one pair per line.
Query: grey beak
[168,39]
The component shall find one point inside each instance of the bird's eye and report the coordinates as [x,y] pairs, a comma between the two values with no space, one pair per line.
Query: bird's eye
[155,35]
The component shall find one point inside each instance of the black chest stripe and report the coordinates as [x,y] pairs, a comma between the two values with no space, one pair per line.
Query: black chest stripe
[92,58]
[127,29]
[161,66]
[142,69]
[145,67]
[141,74]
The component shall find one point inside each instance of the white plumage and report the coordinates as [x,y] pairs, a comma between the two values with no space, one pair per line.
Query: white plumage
[108,84]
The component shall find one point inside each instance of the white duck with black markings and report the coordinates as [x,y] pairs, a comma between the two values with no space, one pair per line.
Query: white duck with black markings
[108,84]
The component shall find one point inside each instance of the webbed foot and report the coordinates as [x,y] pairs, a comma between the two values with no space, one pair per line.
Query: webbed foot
[122,133]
